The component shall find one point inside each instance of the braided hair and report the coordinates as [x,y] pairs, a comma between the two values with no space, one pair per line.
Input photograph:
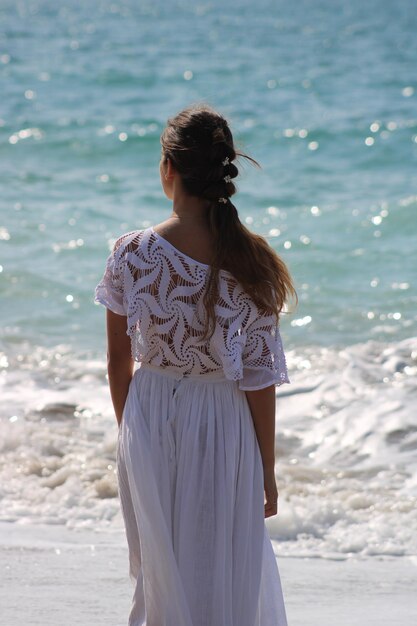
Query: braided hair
[199,143]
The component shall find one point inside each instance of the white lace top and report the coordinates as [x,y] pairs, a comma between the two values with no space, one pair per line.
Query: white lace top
[160,289]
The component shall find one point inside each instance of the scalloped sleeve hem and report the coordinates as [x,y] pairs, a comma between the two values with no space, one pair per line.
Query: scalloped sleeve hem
[263,357]
[102,296]
[256,379]
[110,289]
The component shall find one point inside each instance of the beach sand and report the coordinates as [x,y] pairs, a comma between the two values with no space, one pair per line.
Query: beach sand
[53,575]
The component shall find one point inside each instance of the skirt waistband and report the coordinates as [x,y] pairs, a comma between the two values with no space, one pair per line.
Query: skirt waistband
[217,376]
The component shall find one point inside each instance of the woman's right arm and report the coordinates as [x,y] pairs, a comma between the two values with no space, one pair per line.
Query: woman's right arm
[120,364]
[262,406]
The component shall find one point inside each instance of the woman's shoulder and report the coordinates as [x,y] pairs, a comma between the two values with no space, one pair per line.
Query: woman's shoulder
[128,241]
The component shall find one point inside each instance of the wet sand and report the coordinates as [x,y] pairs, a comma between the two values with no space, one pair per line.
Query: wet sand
[53,575]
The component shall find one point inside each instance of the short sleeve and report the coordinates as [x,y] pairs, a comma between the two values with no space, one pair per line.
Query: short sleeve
[110,290]
[263,356]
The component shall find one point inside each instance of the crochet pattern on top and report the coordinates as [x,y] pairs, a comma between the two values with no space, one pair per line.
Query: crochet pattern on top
[160,290]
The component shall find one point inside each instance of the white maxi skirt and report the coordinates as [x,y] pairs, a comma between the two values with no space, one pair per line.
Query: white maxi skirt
[191,491]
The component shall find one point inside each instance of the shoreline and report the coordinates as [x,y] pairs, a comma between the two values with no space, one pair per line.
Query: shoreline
[56,575]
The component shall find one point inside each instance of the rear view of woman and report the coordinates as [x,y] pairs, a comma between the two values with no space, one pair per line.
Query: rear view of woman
[195,300]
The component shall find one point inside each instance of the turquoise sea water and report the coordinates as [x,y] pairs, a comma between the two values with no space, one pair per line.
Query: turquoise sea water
[323,94]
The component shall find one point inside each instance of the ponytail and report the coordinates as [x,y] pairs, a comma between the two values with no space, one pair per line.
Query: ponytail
[248,256]
[200,145]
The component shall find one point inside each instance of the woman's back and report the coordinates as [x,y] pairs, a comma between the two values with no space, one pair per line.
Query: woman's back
[160,290]
[194,240]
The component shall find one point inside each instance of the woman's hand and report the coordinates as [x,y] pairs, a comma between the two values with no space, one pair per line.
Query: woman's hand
[271,492]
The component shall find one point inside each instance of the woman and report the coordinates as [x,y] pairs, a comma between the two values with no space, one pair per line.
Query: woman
[196,301]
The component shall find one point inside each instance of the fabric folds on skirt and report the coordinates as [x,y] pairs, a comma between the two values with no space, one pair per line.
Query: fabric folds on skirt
[191,492]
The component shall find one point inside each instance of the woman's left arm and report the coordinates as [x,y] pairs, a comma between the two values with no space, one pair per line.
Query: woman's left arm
[120,363]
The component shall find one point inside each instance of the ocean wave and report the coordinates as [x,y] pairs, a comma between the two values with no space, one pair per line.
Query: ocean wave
[345,447]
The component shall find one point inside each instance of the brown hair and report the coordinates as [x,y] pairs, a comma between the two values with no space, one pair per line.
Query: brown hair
[199,143]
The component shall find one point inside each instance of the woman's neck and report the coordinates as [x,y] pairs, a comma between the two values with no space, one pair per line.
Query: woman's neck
[191,211]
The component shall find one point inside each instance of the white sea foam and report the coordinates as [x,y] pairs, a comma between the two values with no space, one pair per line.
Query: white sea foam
[346,440]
